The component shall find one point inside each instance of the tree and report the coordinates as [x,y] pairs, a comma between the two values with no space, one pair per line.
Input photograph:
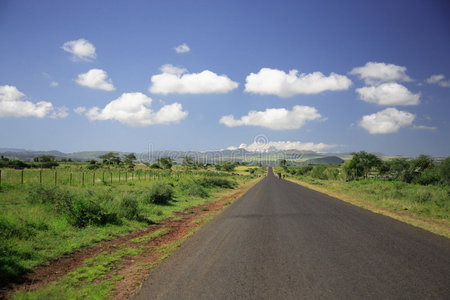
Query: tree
[283,163]
[362,162]
[110,158]
[444,171]
[188,162]
[420,164]
[165,162]
[400,169]
[129,160]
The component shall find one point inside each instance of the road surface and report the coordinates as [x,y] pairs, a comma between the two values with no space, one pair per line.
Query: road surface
[284,241]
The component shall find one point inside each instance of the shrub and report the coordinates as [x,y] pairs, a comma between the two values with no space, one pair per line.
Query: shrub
[79,210]
[159,193]
[193,188]
[429,176]
[86,212]
[216,182]
[129,208]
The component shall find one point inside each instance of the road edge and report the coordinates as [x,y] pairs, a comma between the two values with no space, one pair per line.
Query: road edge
[425,224]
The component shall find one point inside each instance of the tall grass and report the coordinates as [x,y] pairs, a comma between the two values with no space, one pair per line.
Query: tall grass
[38,223]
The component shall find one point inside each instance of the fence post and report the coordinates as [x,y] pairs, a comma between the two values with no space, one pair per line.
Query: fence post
[111,177]
[119,176]
[126,177]
[56,176]
[40,176]
[103,177]
[21,177]
[82,178]
[93,178]
[132,176]
[70,181]
[0,177]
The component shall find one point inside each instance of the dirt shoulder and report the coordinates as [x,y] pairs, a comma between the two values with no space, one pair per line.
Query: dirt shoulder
[440,227]
[136,254]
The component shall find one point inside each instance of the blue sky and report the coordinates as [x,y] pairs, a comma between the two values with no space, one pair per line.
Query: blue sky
[332,76]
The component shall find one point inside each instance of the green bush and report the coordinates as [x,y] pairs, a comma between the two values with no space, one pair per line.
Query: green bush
[159,193]
[209,182]
[429,176]
[129,208]
[85,212]
[79,210]
[193,188]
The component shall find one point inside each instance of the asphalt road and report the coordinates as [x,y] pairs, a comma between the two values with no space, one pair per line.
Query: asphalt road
[284,241]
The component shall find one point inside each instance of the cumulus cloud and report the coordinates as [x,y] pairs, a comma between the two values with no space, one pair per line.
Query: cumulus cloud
[80,110]
[81,49]
[276,82]
[12,105]
[389,120]
[439,79]
[174,80]
[133,109]
[423,127]
[375,73]
[282,145]
[275,118]
[96,79]
[54,84]
[183,48]
[388,94]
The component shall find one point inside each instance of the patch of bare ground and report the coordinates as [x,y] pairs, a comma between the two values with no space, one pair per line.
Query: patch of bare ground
[132,269]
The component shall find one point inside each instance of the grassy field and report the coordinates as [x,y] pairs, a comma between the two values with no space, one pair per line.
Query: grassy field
[39,223]
[427,207]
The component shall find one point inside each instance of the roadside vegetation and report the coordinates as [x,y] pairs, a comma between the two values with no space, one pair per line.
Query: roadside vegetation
[41,221]
[416,187]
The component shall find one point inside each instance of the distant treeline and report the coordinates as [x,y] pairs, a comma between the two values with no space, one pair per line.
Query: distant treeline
[363,165]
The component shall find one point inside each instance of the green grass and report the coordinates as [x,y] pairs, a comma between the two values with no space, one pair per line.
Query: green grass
[35,230]
[151,236]
[88,281]
[431,201]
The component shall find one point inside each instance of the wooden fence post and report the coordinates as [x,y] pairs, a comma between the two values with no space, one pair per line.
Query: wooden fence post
[111,177]
[70,181]
[40,176]
[119,176]
[0,177]
[21,177]
[56,176]
[82,178]
[93,178]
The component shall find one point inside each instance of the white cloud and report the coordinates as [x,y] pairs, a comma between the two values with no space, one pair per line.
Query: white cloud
[12,105]
[282,145]
[388,94]
[81,49]
[60,112]
[275,118]
[389,120]
[80,110]
[96,79]
[439,79]
[423,127]
[276,82]
[174,80]
[183,48]
[374,73]
[54,84]
[133,109]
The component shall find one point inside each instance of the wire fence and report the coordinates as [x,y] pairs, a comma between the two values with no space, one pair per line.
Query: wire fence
[83,178]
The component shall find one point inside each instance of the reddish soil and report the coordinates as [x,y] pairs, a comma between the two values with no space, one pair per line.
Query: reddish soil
[133,268]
